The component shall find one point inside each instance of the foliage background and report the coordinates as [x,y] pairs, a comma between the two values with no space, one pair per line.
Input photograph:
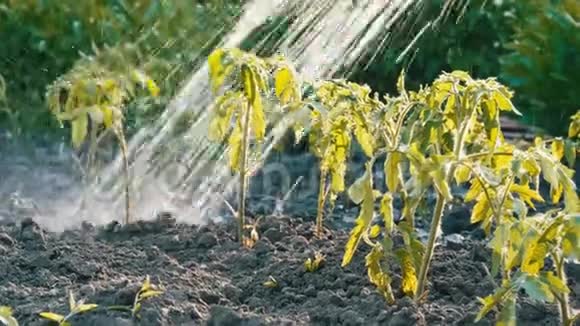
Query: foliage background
[532,46]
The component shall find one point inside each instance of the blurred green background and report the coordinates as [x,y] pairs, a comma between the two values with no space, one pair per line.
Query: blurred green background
[533,46]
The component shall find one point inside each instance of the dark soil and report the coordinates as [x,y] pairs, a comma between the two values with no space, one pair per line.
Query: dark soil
[209,280]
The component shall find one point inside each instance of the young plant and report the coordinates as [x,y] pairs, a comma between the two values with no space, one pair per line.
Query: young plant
[6,317]
[446,132]
[75,308]
[520,248]
[242,113]
[93,101]
[339,110]
[147,291]
[312,265]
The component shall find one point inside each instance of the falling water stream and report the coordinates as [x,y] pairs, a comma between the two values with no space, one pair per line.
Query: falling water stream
[325,37]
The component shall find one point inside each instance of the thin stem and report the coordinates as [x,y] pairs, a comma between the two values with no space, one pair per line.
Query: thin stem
[123,144]
[438,212]
[243,173]
[435,224]
[321,201]
[562,298]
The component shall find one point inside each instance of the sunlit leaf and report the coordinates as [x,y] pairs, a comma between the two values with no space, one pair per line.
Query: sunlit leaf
[377,276]
[409,277]
[558,149]
[526,194]
[375,231]
[392,170]
[52,316]
[79,130]
[387,212]
[363,220]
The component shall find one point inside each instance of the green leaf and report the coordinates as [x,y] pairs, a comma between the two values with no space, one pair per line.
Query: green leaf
[570,152]
[356,191]
[537,289]
[491,301]
[507,315]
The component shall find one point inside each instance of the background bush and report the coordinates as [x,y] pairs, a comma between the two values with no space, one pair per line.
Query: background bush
[533,46]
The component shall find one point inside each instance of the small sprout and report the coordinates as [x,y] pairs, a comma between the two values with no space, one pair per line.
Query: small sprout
[147,291]
[6,317]
[75,308]
[271,283]
[312,265]
[250,235]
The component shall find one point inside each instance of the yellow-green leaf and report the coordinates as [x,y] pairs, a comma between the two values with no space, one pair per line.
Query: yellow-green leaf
[149,294]
[375,231]
[356,190]
[556,284]
[526,194]
[462,174]
[481,210]
[271,283]
[558,149]
[363,220]
[82,308]
[387,212]
[377,276]
[6,316]
[440,182]
[216,69]
[392,170]
[409,281]
[152,87]
[235,148]
[52,316]
[365,140]
[79,130]
[285,85]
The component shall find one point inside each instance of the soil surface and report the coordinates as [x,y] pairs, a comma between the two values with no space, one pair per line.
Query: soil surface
[207,278]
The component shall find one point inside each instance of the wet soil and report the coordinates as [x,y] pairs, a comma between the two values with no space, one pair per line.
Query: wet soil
[208,279]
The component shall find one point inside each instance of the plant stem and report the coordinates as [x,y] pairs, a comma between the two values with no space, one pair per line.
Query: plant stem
[426,262]
[438,212]
[562,298]
[243,171]
[321,201]
[123,144]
